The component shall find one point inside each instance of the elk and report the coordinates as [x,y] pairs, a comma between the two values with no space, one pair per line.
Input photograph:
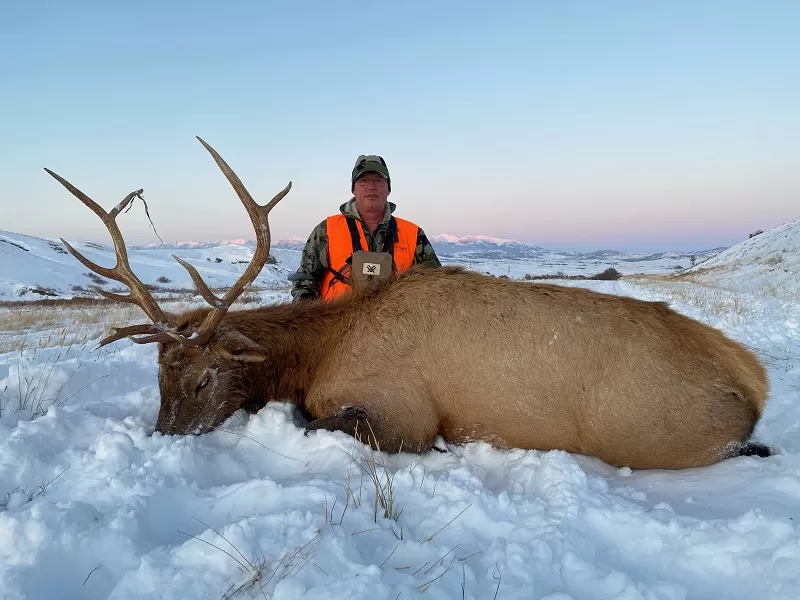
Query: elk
[453,353]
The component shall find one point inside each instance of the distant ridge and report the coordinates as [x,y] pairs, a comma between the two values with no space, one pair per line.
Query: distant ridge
[489,247]
[33,267]
[479,247]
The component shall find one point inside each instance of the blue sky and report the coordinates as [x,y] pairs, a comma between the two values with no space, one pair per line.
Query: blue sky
[585,125]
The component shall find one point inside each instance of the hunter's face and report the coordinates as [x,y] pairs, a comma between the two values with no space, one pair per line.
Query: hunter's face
[371,193]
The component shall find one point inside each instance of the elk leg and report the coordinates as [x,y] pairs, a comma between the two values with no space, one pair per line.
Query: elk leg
[370,429]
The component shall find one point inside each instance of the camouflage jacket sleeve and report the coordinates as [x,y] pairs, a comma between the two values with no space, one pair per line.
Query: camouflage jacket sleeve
[313,265]
[424,254]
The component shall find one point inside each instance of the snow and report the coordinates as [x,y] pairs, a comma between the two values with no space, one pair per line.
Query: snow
[30,264]
[33,268]
[93,505]
[772,257]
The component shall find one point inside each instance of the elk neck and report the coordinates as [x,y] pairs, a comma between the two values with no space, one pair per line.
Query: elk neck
[297,339]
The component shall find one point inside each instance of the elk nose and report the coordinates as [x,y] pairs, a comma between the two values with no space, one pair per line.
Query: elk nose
[163,428]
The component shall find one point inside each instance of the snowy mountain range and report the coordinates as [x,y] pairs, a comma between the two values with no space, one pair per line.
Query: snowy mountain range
[497,248]
[485,247]
[32,268]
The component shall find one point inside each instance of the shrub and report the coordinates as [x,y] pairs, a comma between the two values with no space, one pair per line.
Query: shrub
[41,291]
[610,274]
[57,248]
[95,278]
[10,243]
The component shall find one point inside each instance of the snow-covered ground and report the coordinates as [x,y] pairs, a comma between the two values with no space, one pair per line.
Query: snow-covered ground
[94,506]
[771,258]
[33,268]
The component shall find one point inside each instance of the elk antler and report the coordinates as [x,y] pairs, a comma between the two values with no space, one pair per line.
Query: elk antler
[122,270]
[259,217]
[159,330]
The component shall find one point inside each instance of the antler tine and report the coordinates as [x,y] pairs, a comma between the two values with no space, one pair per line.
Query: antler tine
[122,271]
[259,217]
[201,286]
[149,333]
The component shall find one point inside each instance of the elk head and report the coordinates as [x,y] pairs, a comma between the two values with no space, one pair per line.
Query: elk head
[201,386]
[201,359]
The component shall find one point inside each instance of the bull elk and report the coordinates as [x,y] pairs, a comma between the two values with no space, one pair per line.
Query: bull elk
[453,353]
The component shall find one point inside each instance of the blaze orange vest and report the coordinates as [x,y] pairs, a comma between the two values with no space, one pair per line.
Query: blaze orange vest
[342,239]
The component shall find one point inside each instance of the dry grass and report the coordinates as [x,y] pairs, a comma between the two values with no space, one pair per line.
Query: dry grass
[774,290]
[249,298]
[259,575]
[383,483]
[27,327]
[717,303]
[714,304]
[36,389]
[53,322]
[695,276]
[19,496]
[373,465]
[698,289]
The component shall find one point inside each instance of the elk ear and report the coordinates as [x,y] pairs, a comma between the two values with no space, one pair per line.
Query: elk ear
[235,345]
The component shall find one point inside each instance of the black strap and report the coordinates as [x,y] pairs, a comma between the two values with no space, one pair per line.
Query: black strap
[354,236]
[337,276]
[390,238]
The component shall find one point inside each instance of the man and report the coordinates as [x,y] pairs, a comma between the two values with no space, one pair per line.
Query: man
[365,223]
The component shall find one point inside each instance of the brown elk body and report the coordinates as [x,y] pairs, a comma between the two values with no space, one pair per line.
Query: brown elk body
[471,358]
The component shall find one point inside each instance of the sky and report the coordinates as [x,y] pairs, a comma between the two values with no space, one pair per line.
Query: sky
[569,125]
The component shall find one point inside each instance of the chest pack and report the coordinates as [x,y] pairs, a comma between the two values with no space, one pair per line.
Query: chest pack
[365,266]
[371,266]
[353,265]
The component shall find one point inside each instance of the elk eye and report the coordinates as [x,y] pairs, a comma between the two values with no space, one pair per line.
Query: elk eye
[202,384]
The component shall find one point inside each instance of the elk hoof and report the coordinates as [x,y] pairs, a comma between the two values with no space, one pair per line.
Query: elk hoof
[345,420]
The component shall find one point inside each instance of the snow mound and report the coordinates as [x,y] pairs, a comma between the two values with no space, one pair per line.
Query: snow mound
[772,256]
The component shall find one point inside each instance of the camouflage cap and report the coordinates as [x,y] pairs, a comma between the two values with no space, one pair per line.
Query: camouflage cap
[370,163]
